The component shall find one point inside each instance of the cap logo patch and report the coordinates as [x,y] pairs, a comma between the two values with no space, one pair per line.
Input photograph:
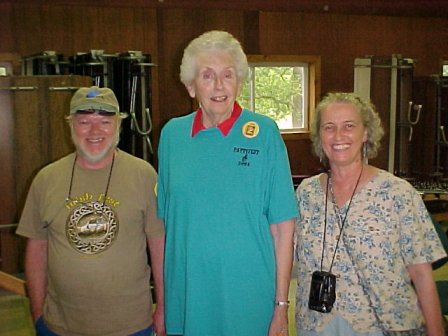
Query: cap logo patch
[92,93]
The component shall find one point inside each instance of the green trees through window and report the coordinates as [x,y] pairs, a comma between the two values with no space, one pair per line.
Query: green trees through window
[280,90]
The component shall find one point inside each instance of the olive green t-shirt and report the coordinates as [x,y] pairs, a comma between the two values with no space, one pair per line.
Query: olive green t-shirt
[98,272]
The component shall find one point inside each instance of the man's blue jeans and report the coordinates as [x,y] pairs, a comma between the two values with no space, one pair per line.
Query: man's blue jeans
[42,330]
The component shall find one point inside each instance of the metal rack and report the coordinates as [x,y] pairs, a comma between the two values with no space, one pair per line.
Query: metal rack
[387,82]
[45,63]
[132,85]
[96,64]
[128,74]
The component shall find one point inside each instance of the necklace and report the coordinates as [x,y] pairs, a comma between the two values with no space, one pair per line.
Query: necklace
[69,197]
[336,208]
[338,215]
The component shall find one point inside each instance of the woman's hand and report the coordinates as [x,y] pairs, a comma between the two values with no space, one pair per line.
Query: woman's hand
[279,323]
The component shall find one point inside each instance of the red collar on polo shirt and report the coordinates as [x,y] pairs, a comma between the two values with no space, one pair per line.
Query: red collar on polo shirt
[224,127]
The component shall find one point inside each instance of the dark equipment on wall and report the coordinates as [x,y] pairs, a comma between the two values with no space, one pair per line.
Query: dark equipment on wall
[127,74]
[96,64]
[132,85]
[414,113]
[432,93]
[387,82]
[45,63]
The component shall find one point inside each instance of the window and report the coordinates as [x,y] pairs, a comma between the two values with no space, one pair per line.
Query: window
[283,88]
[445,69]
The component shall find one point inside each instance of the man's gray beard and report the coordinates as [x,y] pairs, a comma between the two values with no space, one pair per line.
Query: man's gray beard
[94,158]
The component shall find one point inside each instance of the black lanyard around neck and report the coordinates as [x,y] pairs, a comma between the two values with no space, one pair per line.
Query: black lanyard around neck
[337,215]
[69,196]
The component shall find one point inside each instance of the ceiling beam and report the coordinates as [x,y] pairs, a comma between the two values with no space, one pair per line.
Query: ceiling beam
[417,8]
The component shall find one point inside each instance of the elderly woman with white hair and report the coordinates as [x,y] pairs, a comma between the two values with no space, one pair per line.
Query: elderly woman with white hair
[226,196]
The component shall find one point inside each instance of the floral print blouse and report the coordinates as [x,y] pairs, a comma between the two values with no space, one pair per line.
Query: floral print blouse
[387,228]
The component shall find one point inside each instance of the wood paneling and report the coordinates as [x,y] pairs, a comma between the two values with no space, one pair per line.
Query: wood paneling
[41,131]
[34,133]
[163,29]
[176,29]
[301,157]
[7,177]
[339,39]
[337,31]
[28,28]
[72,29]
[366,7]
[8,242]
[69,27]
[30,134]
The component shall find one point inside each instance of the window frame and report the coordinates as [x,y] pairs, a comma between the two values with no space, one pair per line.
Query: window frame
[312,91]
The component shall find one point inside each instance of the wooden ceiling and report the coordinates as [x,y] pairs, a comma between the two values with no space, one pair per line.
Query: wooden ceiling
[418,8]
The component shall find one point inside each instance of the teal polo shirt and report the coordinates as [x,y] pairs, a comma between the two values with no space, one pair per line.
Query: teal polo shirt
[218,195]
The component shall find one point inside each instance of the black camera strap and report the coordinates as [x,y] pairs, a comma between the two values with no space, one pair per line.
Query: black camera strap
[364,286]
[337,212]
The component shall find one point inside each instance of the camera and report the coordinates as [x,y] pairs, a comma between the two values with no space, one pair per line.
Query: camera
[322,291]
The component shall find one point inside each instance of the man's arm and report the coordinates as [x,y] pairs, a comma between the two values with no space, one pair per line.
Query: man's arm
[36,274]
[157,251]
[283,243]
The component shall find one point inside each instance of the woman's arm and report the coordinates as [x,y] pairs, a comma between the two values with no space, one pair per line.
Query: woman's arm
[282,234]
[421,275]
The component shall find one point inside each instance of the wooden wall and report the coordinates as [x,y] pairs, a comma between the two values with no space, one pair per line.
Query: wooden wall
[34,133]
[28,27]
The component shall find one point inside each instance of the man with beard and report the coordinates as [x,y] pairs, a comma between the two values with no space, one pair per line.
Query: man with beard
[89,219]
